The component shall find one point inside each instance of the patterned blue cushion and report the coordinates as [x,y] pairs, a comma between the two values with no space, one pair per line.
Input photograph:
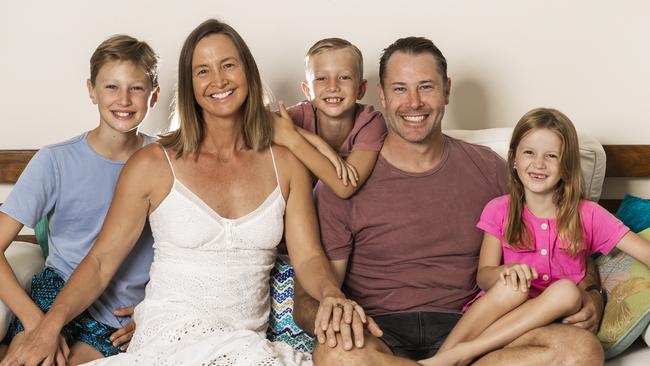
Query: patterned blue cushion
[282,328]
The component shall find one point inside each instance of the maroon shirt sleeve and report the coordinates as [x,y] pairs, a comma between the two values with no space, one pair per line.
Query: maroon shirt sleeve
[370,130]
[296,114]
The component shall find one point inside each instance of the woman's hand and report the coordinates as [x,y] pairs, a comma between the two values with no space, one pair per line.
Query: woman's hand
[518,276]
[336,309]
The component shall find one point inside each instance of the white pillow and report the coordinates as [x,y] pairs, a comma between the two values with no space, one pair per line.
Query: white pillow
[26,260]
[592,154]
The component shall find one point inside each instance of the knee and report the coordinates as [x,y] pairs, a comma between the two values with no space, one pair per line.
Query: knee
[335,356]
[565,295]
[582,348]
[507,296]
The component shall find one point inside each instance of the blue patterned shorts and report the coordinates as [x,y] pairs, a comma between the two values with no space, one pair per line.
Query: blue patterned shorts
[83,328]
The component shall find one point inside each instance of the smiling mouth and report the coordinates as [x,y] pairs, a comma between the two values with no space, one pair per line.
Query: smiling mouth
[333,100]
[414,119]
[122,115]
[537,177]
[223,95]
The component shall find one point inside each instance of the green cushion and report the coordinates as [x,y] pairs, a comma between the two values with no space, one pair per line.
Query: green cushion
[40,231]
[635,213]
[627,314]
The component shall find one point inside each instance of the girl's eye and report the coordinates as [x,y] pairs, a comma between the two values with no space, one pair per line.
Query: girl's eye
[551,156]
[528,152]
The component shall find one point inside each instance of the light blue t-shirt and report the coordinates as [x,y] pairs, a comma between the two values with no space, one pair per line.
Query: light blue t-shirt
[73,186]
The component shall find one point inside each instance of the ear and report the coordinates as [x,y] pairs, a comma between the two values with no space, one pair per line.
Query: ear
[91,91]
[154,97]
[382,97]
[447,91]
[305,89]
[363,87]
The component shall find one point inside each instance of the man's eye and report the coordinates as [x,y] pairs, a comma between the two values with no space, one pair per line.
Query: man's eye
[399,89]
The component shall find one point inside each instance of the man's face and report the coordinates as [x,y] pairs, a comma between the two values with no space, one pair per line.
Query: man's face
[414,96]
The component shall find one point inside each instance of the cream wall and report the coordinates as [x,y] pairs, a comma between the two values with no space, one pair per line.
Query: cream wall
[589,59]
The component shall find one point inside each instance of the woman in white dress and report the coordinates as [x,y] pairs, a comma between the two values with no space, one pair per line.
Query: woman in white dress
[218,197]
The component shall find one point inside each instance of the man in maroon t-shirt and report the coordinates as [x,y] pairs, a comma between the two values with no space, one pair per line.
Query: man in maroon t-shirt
[405,247]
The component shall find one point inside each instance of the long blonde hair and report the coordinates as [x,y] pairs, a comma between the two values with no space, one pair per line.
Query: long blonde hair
[257,126]
[568,191]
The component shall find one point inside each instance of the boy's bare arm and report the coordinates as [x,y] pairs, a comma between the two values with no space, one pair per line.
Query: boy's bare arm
[11,293]
[364,162]
[285,134]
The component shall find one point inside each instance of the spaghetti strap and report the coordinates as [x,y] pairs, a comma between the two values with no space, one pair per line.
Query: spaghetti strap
[170,162]
[275,168]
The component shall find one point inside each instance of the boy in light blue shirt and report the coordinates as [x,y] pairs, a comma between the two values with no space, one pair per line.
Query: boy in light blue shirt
[72,184]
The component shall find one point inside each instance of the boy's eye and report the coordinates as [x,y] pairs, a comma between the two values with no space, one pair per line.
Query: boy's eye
[137,88]
[320,78]
[345,77]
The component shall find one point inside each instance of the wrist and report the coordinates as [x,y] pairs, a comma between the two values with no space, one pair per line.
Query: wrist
[331,291]
[597,289]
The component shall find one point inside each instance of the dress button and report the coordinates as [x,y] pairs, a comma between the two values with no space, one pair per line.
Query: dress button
[543,251]
[545,277]
[544,226]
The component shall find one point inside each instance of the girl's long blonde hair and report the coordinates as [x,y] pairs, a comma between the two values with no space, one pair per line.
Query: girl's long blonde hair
[568,192]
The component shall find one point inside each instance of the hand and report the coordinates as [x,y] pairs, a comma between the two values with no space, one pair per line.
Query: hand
[38,347]
[588,317]
[355,331]
[345,171]
[283,126]
[335,309]
[122,337]
[518,276]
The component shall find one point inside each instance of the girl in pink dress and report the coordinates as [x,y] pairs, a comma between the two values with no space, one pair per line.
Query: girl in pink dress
[536,241]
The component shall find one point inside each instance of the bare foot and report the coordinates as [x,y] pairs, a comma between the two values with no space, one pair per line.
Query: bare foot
[452,357]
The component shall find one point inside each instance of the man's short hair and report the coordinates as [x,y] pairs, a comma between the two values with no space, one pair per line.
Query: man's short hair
[332,44]
[415,46]
[125,48]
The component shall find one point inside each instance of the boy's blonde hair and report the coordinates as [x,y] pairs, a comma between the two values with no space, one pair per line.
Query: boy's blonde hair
[568,191]
[125,48]
[332,44]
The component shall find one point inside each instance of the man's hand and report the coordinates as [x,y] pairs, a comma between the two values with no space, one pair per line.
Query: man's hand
[353,332]
[122,336]
[588,317]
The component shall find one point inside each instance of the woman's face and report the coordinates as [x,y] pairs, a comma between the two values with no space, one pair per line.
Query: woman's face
[218,78]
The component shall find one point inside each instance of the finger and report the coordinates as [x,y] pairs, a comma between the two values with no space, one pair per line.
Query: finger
[534,273]
[320,335]
[63,345]
[60,360]
[512,283]
[344,173]
[338,168]
[521,279]
[357,330]
[331,337]
[323,316]
[47,361]
[346,336]
[125,346]
[337,313]
[354,172]
[374,328]
[125,338]
[283,110]
[503,276]
[353,177]
[125,311]
[359,310]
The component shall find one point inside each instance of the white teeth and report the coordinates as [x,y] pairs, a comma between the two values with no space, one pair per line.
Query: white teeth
[537,176]
[414,118]
[221,95]
[122,114]
[333,100]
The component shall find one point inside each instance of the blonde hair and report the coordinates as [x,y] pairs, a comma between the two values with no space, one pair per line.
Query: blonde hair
[257,126]
[332,44]
[125,48]
[568,191]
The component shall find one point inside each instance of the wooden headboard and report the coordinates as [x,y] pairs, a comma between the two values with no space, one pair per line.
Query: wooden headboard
[629,161]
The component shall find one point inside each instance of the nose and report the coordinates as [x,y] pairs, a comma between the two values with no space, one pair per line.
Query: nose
[332,84]
[414,100]
[124,98]
[540,161]
[219,79]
